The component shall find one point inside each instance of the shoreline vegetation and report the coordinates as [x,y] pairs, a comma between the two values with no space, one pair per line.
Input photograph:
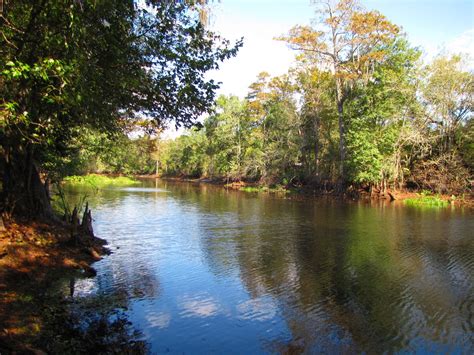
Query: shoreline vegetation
[421,198]
[99,180]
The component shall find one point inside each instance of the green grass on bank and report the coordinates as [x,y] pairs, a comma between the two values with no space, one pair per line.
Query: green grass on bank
[425,198]
[278,189]
[98,181]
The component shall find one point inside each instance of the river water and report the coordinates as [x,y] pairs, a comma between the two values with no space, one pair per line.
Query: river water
[199,269]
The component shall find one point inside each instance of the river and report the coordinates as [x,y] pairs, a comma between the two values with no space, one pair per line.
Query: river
[200,269]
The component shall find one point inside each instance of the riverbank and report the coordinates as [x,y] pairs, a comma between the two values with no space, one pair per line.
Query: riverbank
[34,258]
[351,193]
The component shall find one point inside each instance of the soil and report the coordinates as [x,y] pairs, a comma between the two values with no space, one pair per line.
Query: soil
[34,256]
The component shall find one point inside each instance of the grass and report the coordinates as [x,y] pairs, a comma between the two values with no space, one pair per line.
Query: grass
[98,181]
[279,189]
[426,199]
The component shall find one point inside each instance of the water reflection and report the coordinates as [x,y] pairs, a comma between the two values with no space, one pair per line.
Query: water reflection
[200,267]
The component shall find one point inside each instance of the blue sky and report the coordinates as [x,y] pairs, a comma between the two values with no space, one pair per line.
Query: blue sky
[430,24]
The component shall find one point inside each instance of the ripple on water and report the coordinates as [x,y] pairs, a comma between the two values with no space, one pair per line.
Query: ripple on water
[257,309]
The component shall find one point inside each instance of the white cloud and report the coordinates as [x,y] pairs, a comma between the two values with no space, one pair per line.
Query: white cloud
[464,44]
[460,44]
[259,53]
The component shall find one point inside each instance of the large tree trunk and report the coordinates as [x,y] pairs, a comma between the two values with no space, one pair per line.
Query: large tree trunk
[316,148]
[342,139]
[23,191]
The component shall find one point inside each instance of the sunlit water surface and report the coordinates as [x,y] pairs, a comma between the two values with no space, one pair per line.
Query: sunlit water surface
[200,269]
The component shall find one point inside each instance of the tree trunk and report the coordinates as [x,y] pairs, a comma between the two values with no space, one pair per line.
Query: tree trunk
[74,225]
[23,191]
[87,222]
[316,148]
[342,139]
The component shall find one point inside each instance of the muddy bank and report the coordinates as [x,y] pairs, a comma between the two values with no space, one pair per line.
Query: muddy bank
[35,258]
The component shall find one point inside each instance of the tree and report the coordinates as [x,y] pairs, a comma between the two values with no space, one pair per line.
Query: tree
[185,155]
[447,93]
[466,142]
[281,131]
[317,116]
[380,113]
[226,133]
[71,64]
[366,116]
[449,97]
[346,40]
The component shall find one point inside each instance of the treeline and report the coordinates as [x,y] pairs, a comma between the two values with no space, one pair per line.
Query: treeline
[357,109]
[362,110]
[410,127]
[286,131]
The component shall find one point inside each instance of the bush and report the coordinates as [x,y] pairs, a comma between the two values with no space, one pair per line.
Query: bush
[444,174]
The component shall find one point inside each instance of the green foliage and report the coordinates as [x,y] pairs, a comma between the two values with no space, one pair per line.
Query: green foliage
[183,156]
[377,111]
[240,143]
[82,77]
[98,181]
[226,135]
[465,137]
[280,130]
[448,94]
[365,161]
[426,199]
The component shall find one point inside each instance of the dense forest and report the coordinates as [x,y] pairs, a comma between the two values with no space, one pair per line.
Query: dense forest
[358,108]
[402,128]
